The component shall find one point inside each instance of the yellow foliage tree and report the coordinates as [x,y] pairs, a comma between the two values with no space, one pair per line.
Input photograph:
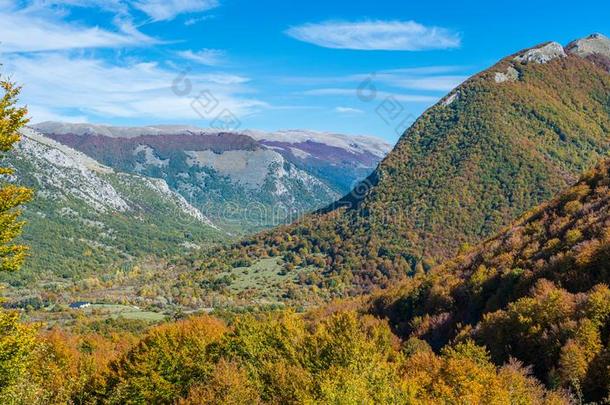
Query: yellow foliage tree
[17,341]
[227,385]
[12,196]
[165,363]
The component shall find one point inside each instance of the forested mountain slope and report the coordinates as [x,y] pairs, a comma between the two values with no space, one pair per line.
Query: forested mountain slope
[502,142]
[537,292]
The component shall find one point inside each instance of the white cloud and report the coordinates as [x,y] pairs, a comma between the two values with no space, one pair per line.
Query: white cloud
[55,83]
[29,30]
[389,76]
[208,57]
[348,110]
[163,10]
[409,85]
[42,50]
[376,35]
[196,20]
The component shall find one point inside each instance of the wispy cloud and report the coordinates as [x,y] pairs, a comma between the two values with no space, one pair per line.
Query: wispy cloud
[208,57]
[196,20]
[348,110]
[164,10]
[47,52]
[156,10]
[376,35]
[420,85]
[27,31]
[58,84]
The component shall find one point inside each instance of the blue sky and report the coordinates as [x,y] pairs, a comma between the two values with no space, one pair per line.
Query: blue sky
[266,64]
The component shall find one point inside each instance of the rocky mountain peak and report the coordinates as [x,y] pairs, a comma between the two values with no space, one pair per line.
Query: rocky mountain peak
[542,54]
[594,44]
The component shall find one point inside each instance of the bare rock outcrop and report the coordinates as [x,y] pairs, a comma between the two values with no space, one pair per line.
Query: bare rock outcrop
[542,54]
[511,75]
[451,98]
[596,44]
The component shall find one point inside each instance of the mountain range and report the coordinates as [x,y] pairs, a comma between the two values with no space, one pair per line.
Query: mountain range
[242,181]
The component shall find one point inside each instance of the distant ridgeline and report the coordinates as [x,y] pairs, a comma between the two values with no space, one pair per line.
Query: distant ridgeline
[501,143]
[241,181]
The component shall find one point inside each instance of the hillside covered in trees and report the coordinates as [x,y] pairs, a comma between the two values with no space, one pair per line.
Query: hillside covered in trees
[537,292]
[502,142]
